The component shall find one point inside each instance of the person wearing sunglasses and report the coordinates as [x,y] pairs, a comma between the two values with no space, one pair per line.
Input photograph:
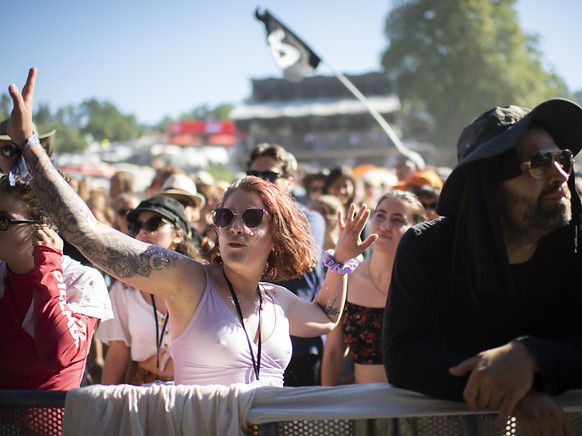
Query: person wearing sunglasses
[485,304]
[49,303]
[429,197]
[228,326]
[273,163]
[160,221]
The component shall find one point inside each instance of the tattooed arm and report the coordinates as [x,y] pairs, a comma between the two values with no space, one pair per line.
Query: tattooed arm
[322,315]
[143,266]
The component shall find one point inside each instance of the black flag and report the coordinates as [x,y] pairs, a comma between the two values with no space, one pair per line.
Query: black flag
[291,54]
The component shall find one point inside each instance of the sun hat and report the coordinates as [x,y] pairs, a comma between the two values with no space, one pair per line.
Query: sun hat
[46,139]
[499,130]
[183,188]
[165,206]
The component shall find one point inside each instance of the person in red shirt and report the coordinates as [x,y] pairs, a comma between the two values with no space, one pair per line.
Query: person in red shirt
[49,303]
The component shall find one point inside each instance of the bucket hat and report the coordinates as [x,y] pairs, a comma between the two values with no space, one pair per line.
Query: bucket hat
[499,130]
[183,188]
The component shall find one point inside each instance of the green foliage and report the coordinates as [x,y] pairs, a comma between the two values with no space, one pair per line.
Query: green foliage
[67,139]
[459,58]
[203,112]
[105,122]
[5,106]
[221,173]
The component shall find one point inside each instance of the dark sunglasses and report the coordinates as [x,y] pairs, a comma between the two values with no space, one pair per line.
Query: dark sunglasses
[253,217]
[540,162]
[8,150]
[151,225]
[6,222]
[269,176]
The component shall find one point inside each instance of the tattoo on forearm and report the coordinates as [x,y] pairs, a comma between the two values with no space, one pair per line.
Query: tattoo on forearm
[118,254]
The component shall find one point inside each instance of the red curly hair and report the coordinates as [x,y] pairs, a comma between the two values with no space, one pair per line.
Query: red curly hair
[294,251]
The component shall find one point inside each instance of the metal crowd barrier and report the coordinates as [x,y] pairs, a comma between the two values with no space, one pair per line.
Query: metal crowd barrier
[42,412]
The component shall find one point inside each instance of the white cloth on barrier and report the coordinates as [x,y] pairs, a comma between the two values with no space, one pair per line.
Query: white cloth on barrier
[369,401]
[226,410]
[158,409]
[378,400]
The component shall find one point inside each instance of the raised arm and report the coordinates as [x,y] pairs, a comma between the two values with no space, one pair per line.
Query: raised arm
[143,266]
[322,315]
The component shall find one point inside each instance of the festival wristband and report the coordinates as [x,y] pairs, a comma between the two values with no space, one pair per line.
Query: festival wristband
[346,268]
[19,166]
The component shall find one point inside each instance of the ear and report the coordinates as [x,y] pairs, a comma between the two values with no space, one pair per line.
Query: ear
[178,236]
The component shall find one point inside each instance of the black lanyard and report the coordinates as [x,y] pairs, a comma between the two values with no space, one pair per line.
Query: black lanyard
[159,337]
[257,364]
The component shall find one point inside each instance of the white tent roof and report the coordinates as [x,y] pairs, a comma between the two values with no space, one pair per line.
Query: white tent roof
[313,107]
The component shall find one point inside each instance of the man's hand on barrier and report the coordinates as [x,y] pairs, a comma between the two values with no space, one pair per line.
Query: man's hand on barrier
[538,414]
[499,378]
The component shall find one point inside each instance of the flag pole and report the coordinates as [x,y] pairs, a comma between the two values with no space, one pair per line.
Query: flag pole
[296,59]
[362,98]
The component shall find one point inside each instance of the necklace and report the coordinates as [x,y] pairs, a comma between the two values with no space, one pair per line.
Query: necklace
[372,280]
[159,337]
[257,363]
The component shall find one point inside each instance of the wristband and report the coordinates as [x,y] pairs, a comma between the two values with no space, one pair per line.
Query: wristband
[346,268]
[19,166]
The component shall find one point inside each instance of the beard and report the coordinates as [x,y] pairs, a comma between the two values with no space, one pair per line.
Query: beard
[530,219]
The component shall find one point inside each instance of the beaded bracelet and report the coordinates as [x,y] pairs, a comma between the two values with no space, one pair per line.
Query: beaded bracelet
[346,268]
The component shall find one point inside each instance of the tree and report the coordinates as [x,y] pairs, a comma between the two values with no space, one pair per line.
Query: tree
[5,106]
[104,122]
[203,112]
[458,58]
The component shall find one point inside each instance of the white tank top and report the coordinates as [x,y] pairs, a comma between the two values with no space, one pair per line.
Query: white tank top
[213,348]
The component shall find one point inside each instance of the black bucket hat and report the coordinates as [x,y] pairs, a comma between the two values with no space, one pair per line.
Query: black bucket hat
[499,130]
[165,206]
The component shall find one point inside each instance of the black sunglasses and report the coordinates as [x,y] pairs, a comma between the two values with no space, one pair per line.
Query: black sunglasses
[8,150]
[269,176]
[540,162]
[6,222]
[253,217]
[151,225]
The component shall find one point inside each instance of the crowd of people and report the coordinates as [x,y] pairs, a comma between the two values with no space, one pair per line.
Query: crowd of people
[460,286]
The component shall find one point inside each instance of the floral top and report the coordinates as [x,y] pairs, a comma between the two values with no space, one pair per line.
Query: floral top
[362,328]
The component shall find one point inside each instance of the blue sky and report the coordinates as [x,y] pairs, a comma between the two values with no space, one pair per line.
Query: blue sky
[153,58]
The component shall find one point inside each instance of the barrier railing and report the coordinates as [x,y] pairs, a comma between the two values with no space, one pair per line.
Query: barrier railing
[368,410]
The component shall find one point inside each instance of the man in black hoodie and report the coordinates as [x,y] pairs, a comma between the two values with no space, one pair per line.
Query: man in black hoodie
[484,304]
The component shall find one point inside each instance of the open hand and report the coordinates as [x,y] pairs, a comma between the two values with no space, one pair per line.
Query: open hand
[349,244]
